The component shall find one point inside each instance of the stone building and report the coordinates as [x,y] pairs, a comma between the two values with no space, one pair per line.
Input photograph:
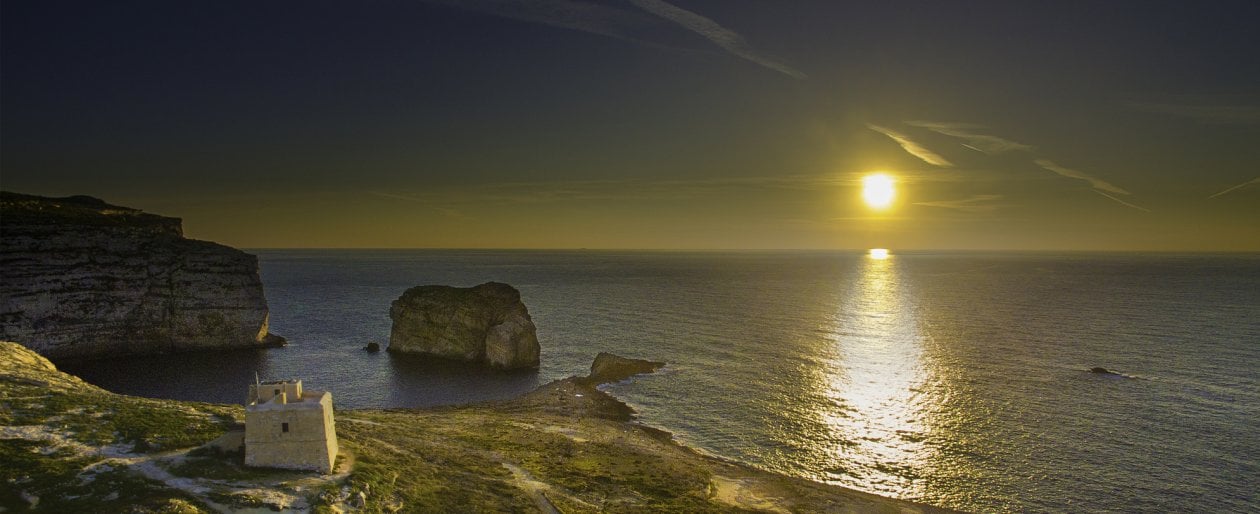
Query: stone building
[288,427]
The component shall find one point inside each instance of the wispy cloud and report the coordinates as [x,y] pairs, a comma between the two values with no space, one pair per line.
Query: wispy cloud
[977,203]
[1098,185]
[644,25]
[983,143]
[911,147]
[1122,202]
[721,36]
[978,139]
[1094,182]
[1216,114]
[1236,187]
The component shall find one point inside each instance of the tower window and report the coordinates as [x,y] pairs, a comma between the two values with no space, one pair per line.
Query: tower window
[284,427]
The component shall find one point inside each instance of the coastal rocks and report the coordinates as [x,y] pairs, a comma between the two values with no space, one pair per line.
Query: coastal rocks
[1109,373]
[614,368]
[83,278]
[373,347]
[487,323]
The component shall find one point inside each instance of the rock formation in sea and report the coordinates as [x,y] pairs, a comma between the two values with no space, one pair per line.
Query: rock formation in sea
[82,278]
[615,368]
[486,323]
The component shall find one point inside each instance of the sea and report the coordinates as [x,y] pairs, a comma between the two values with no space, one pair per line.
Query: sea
[957,379]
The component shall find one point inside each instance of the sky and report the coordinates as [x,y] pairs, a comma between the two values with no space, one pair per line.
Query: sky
[646,124]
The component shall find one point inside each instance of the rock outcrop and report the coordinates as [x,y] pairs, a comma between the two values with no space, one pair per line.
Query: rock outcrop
[83,278]
[487,323]
[615,368]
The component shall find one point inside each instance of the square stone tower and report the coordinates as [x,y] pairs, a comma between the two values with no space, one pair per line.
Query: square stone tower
[288,427]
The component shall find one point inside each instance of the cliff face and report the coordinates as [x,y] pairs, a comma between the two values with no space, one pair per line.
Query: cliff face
[82,278]
[486,323]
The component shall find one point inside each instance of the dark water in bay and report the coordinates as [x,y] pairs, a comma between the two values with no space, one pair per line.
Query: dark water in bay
[957,379]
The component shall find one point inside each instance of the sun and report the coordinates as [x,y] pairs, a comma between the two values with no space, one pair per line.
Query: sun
[878,190]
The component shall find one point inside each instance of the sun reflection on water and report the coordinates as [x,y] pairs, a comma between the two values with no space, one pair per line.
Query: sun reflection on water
[878,386]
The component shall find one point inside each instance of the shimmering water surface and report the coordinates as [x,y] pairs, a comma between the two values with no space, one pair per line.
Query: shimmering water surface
[957,379]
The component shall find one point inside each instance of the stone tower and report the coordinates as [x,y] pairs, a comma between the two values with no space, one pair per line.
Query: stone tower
[287,427]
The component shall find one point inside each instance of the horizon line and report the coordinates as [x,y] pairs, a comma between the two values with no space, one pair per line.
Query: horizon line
[892,251]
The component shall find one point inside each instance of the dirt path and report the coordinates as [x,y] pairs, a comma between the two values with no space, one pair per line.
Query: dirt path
[523,480]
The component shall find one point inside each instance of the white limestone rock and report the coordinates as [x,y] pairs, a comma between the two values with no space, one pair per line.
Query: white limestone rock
[487,323]
[82,278]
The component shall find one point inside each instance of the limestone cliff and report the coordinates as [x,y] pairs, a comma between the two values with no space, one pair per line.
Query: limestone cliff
[487,323]
[82,278]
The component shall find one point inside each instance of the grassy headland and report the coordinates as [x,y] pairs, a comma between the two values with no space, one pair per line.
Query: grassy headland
[69,446]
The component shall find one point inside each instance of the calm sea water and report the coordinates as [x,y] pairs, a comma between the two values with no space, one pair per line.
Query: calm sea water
[956,379]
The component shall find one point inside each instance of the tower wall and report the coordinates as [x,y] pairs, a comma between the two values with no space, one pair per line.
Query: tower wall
[309,443]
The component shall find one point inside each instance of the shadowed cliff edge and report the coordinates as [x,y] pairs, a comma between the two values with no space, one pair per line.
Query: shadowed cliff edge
[69,446]
[80,278]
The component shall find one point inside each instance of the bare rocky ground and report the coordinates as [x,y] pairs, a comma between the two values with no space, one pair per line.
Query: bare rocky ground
[67,446]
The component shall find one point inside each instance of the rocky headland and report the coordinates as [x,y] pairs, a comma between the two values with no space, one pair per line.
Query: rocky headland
[81,278]
[486,323]
[68,446]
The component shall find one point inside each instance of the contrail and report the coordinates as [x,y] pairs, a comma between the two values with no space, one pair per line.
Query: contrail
[721,36]
[983,143]
[1122,202]
[977,203]
[1244,184]
[1094,182]
[912,147]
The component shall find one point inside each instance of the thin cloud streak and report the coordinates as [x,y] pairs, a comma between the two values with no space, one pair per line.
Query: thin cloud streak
[1094,182]
[721,36]
[977,203]
[1121,202]
[983,143]
[1239,186]
[912,147]
[642,26]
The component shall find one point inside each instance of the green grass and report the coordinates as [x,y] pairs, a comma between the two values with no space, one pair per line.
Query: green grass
[98,418]
[55,478]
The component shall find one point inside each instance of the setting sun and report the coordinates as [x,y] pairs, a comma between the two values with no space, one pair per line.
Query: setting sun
[878,190]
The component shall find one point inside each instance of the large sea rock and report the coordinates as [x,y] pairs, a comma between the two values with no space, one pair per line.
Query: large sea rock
[82,278]
[487,323]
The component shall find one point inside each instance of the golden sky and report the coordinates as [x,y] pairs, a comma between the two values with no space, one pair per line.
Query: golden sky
[646,124]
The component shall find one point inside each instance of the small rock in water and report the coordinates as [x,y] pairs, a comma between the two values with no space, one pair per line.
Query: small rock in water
[1108,372]
[373,347]
[614,368]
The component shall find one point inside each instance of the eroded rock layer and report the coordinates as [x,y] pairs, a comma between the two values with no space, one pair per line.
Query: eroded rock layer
[487,323]
[82,278]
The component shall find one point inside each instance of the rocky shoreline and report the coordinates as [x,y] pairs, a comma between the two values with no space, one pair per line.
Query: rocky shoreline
[565,447]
